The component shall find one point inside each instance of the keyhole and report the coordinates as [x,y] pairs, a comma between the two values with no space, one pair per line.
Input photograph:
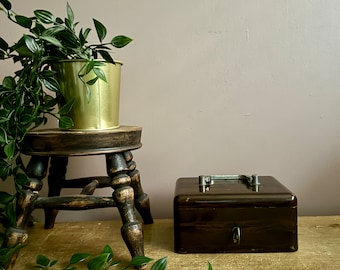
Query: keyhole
[236,235]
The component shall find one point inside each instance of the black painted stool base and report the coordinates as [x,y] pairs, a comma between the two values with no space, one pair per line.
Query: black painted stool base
[54,147]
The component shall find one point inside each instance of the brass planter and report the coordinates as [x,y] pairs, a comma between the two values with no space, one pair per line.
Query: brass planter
[101,111]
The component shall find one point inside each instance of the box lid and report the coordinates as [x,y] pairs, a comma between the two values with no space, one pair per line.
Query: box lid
[269,192]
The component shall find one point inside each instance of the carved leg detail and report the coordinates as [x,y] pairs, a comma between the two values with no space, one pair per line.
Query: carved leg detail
[55,179]
[26,197]
[13,237]
[123,196]
[142,201]
[131,230]
[132,234]
[36,171]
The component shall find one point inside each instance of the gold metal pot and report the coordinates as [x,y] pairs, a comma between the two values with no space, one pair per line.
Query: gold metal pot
[101,110]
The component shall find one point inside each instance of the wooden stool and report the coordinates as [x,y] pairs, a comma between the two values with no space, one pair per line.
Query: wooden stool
[57,146]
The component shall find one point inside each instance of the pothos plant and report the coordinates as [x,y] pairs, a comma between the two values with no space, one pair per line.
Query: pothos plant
[104,261]
[31,94]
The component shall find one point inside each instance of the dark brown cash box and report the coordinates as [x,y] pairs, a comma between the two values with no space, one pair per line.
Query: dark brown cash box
[234,213]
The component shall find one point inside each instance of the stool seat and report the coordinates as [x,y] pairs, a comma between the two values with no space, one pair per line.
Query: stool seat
[52,148]
[49,142]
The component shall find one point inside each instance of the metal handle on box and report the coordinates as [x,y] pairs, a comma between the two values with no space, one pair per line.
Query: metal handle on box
[209,179]
[206,180]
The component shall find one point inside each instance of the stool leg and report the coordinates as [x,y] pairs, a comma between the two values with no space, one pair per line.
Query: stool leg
[123,195]
[142,201]
[36,171]
[56,177]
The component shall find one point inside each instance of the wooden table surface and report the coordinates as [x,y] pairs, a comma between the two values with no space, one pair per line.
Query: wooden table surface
[319,246]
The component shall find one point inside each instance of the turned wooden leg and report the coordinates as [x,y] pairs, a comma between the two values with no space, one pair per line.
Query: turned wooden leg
[26,197]
[142,202]
[56,177]
[123,195]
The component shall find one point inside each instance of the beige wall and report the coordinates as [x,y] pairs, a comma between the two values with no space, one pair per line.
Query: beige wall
[223,87]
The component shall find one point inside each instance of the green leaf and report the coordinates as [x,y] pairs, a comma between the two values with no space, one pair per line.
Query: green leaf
[98,63]
[31,44]
[21,47]
[140,260]
[53,263]
[4,119]
[23,21]
[7,5]
[40,121]
[83,35]
[93,81]
[22,179]
[98,262]
[120,41]
[7,254]
[101,30]
[106,56]
[69,24]
[3,44]
[26,119]
[88,67]
[70,14]
[50,101]
[68,39]
[3,135]
[160,264]
[8,83]
[209,266]
[44,16]
[100,74]
[38,29]
[79,257]
[65,109]
[107,249]
[9,149]
[65,122]
[48,73]
[59,20]
[115,263]
[42,260]
[11,213]
[54,41]
[5,197]
[51,31]
[5,115]
[5,169]
[51,84]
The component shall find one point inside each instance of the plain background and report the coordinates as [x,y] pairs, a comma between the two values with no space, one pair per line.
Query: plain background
[220,86]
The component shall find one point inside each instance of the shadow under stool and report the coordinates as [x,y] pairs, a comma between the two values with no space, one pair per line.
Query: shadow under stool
[54,147]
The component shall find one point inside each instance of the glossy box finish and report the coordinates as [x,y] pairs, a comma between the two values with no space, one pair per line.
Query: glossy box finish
[232,216]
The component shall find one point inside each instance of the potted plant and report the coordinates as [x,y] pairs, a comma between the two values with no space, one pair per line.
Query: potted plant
[33,92]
